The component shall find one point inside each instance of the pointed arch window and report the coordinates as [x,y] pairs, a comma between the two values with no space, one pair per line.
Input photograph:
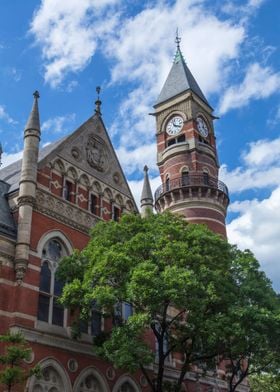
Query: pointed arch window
[205,178]
[167,184]
[185,177]
[49,309]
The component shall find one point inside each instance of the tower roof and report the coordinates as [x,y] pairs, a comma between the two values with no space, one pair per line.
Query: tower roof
[179,80]
[33,121]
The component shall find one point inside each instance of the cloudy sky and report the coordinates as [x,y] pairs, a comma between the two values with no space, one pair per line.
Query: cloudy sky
[66,48]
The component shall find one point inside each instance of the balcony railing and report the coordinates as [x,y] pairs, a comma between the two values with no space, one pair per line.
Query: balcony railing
[190,181]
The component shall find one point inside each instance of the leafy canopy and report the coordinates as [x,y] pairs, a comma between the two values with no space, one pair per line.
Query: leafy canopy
[194,293]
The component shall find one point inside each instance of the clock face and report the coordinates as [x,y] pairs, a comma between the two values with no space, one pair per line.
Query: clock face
[174,125]
[202,127]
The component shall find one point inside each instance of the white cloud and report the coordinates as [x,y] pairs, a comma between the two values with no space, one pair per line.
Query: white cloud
[144,46]
[257,225]
[263,153]
[243,10]
[5,116]
[261,167]
[71,85]
[7,159]
[136,159]
[142,50]
[258,83]
[257,228]
[68,31]
[58,124]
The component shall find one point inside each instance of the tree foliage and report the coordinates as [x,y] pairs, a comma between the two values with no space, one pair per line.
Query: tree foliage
[265,382]
[15,352]
[196,294]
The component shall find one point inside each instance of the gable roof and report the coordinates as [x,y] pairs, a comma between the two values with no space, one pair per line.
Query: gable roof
[179,80]
[11,173]
[80,138]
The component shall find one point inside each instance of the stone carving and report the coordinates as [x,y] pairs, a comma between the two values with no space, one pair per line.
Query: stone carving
[96,153]
[23,200]
[73,215]
[116,178]
[76,153]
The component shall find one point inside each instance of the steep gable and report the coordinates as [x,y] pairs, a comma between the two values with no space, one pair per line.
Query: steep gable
[89,149]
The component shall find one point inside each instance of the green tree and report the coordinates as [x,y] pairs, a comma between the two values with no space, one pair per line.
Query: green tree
[182,281]
[252,343]
[265,382]
[15,351]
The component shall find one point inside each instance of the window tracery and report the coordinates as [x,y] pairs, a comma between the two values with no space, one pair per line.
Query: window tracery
[49,310]
[50,381]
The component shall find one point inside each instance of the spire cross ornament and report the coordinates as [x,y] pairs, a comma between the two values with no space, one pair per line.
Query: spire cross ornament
[98,89]
[36,94]
[98,102]
[177,39]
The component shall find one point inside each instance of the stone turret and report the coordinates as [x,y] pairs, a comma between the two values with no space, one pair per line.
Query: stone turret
[27,189]
[146,196]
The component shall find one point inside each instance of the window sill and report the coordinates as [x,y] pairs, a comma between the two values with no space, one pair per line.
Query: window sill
[50,328]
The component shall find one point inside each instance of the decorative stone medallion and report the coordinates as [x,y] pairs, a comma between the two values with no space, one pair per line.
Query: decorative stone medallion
[76,154]
[110,373]
[116,178]
[96,153]
[72,365]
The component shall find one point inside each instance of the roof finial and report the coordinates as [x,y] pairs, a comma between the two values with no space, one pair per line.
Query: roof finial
[177,39]
[1,152]
[36,94]
[98,102]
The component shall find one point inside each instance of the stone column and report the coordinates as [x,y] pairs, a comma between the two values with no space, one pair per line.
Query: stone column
[27,189]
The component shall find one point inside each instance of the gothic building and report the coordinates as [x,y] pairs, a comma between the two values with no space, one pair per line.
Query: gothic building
[52,197]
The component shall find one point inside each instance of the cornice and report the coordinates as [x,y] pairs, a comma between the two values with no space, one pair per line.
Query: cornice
[64,212]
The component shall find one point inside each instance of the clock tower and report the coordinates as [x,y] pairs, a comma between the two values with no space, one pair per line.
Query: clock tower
[186,151]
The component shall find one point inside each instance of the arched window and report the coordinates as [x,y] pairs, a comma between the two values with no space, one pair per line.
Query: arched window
[49,310]
[126,387]
[90,384]
[167,184]
[90,380]
[50,381]
[205,178]
[53,378]
[185,177]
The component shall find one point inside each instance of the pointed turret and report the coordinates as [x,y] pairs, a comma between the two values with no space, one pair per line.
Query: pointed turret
[27,189]
[146,196]
[33,121]
[179,80]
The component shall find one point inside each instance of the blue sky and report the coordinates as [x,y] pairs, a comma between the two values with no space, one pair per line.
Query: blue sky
[66,48]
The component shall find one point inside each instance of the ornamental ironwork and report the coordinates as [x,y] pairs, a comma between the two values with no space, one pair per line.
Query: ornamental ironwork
[190,181]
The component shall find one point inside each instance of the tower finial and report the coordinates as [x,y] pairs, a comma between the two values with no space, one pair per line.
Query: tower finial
[98,102]
[177,39]
[36,94]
